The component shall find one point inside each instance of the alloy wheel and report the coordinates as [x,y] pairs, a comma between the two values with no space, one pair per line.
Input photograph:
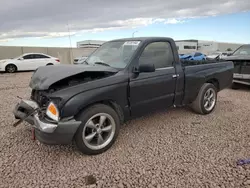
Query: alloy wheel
[99,131]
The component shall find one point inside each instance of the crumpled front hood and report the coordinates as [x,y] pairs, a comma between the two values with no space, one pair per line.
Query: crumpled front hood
[237,57]
[45,76]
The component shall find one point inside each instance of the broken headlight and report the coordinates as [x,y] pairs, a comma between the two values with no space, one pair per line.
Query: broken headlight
[52,111]
[53,108]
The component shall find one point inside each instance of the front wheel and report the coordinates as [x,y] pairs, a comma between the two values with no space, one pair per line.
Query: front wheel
[99,129]
[206,100]
[11,68]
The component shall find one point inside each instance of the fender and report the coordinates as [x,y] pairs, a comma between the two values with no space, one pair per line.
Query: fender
[116,94]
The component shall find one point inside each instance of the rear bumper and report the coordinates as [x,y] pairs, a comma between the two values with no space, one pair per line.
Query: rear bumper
[61,132]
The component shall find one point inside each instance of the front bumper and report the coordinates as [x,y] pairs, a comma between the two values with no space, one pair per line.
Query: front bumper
[61,132]
[2,67]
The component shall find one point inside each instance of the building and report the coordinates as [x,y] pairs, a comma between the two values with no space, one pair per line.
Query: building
[186,46]
[206,47]
[183,46]
[89,44]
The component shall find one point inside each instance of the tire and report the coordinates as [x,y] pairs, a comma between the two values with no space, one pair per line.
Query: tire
[49,64]
[235,86]
[199,104]
[90,131]
[11,68]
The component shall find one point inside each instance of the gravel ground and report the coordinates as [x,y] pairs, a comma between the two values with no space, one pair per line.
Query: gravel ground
[176,148]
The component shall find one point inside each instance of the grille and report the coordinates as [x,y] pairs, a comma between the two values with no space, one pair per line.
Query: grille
[39,97]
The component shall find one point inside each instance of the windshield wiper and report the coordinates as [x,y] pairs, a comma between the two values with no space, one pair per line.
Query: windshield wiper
[101,63]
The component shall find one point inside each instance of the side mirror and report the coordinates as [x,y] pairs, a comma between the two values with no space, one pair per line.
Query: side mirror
[145,68]
[21,58]
[229,54]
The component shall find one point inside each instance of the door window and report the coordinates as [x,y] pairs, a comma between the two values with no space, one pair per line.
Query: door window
[40,56]
[197,54]
[35,56]
[158,53]
[30,56]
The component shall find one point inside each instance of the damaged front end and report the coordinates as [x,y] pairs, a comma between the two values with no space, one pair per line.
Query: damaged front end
[48,130]
[24,111]
[42,110]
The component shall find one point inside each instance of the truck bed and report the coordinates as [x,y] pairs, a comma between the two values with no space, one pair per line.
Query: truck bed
[195,62]
[199,72]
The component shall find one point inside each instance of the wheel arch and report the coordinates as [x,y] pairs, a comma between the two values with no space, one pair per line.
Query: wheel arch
[111,103]
[215,82]
[10,64]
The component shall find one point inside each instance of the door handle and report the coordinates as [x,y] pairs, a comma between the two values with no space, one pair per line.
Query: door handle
[175,75]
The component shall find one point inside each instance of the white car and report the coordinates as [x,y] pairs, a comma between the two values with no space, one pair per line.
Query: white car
[80,60]
[27,62]
[217,55]
[77,59]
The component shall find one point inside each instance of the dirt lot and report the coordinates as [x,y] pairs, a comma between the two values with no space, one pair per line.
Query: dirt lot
[176,148]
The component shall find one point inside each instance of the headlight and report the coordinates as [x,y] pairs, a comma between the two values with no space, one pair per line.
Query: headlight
[2,61]
[52,111]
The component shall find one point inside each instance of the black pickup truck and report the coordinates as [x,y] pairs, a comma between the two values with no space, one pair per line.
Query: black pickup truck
[121,80]
[241,59]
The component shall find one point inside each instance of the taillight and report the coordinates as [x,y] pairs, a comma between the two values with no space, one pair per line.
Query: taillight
[58,60]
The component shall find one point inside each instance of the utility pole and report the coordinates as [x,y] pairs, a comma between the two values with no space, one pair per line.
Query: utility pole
[71,51]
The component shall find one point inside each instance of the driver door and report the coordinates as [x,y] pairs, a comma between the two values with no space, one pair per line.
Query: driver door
[154,90]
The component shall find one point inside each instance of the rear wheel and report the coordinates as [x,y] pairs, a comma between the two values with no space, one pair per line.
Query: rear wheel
[99,129]
[11,68]
[49,64]
[206,100]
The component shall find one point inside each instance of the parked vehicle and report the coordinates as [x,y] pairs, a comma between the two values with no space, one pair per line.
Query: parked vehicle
[27,62]
[241,59]
[88,103]
[194,56]
[216,55]
[80,60]
[76,59]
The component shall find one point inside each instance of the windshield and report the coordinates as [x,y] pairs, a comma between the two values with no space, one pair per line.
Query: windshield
[243,50]
[115,54]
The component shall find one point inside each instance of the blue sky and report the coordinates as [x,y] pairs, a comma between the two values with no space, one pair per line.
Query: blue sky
[224,28]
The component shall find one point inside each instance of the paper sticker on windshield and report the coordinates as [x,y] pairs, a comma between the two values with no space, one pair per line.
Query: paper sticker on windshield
[136,43]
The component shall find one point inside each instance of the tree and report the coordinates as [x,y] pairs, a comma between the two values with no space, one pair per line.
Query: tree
[229,49]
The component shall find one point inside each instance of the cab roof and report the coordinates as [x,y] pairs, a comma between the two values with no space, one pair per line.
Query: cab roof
[143,39]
